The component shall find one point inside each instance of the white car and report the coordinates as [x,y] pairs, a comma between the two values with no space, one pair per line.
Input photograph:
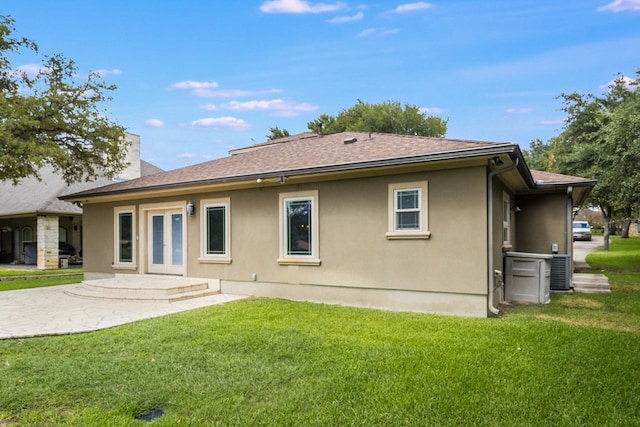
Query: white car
[581,230]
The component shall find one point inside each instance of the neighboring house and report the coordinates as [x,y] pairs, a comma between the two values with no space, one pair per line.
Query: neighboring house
[364,219]
[35,225]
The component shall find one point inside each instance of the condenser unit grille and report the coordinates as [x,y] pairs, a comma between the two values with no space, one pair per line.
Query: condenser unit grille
[560,273]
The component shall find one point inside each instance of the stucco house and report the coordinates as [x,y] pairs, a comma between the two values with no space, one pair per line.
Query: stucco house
[35,224]
[356,218]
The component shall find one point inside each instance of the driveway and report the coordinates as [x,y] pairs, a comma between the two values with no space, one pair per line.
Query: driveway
[583,248]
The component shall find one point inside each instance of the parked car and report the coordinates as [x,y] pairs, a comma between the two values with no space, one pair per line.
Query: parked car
[581,230]
[66,249]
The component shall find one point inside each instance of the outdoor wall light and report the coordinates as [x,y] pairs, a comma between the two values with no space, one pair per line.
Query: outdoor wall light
[516,209]
[190,209]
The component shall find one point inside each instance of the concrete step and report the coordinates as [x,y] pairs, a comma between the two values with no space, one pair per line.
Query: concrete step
[591,283]
[143,288]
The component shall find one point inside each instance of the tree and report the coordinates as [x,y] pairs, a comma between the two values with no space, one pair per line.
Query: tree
[539,156]
[601,140]
[387,117]
[53,118]
[276,133]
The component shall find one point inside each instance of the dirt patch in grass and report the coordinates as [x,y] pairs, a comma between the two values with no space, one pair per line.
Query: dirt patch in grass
[591,323]
[582,303]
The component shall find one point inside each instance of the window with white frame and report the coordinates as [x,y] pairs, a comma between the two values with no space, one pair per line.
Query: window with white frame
[27,236]
[408,215]
[216,230]
[125,244]
[299,228]
[506,214]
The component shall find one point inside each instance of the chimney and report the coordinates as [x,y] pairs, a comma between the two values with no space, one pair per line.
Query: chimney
[133,158]
[320,128]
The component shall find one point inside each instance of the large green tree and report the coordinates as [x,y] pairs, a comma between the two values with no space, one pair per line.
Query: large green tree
[387,117]
[53,118]
[539,156]
[601,140]
[277,133]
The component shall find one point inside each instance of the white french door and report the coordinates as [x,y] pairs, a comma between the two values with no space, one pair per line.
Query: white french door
[165,242]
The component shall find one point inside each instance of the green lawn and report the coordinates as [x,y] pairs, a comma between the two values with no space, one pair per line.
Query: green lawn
[269,362]
[64,279]
[6,272]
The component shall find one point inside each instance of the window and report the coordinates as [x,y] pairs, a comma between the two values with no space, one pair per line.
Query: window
[125,237]
[506,211]
[215,231]
[27,234]
[62,234]
[408,217]
[299,228]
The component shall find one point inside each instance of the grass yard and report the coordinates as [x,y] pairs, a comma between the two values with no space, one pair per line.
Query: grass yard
[76,276]
[269,362]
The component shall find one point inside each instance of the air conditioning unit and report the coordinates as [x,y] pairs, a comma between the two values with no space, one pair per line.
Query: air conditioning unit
[560,273]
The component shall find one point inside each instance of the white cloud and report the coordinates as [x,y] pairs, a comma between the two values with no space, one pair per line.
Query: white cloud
[431,110]
[519,110]
[369,32]
[154,123]
[232,93]
[193,156]
[299,6]
[103,72]
[220,122]
[620,5]
[190,84]
[625,80]
[31,70]
[344,19]
[411,7]
[552,122]
[278,106]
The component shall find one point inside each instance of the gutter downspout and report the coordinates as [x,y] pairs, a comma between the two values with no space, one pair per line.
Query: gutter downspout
[490,265]
[568,217]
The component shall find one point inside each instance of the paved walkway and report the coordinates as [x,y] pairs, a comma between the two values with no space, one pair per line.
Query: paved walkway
[49,311]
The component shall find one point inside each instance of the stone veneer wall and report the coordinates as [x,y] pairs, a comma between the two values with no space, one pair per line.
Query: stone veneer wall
[47,242]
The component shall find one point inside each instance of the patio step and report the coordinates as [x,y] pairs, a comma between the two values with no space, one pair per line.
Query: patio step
[591,283]
[133,287]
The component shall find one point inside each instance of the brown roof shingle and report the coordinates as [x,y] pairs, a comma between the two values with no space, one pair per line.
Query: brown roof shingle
[304,152]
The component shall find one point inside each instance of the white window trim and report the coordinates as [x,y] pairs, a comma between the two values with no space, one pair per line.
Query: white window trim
[215,258]
[422,233]
[134,238]
[506,218]
[314,258]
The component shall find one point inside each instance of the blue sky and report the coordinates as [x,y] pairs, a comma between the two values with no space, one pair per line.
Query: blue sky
[197,78]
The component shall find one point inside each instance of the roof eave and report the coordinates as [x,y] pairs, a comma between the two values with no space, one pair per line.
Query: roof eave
[395,161]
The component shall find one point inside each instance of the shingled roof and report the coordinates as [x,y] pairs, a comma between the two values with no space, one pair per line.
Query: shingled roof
[308,153]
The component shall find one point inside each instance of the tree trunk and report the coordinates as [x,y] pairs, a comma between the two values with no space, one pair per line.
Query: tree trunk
[607,222]
[624,233]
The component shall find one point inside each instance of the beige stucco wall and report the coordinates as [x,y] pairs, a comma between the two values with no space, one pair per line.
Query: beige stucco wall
[542,222]
[354,250]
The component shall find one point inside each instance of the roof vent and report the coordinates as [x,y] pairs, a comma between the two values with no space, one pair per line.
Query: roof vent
[350,140]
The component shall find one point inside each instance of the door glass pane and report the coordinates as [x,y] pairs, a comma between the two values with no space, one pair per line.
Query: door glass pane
[157,225]
[176,239]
